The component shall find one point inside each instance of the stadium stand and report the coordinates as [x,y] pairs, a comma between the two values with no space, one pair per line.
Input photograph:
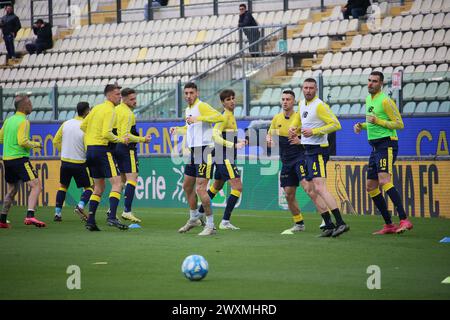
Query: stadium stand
[415,40]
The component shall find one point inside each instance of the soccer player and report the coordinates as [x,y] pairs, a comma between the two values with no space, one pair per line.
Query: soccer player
[292,157]
[318,121]
[198,129]
[382,121]
[126,154]
[98,126]
[15,137]
[227,144]
[69,140]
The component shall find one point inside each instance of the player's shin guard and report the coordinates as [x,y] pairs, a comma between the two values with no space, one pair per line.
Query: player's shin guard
[381,205]
[85,196]
[395,197]
[114,199]
[60,197]
[94,201]
[231,203]
[129,195]
[212,193]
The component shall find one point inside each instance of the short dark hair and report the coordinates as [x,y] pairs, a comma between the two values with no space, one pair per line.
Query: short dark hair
[190,85]
[311,80]
[379,74]
[127,91]
[19,99]
[111,87]
[82,106]
[39,21]
[288,91]
[226,94]
[243,5]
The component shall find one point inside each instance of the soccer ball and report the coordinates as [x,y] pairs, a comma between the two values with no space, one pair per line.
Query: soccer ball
[195,267]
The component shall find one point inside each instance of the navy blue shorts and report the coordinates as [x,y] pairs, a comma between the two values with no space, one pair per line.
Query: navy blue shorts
[292,173]
[101,162]
[19,170]
[201,164]
[226,171]
[381,160]
[126,159]
[316,165]
[78,171]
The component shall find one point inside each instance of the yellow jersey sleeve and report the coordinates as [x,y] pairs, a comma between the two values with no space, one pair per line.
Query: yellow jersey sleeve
[209,114]
[395,122]
[181,130]
[325,114]
[217,133]
[131,122]
[57,140]
[23,136]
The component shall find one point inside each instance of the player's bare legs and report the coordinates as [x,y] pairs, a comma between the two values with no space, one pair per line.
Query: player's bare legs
[189,189]
[320,185]
[191,196]
[11,191]
[308,186]
[202,192]
[35,186]
[299,224]
[218,184]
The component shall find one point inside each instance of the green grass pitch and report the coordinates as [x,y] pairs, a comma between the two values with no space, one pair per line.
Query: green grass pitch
[255,262]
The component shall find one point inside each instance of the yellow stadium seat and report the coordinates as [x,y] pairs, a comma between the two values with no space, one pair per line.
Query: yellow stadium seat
[200,38]
[19,35]
[142,54]
[27,33]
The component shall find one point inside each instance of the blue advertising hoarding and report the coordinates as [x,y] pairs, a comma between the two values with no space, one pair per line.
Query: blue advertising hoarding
[421,136]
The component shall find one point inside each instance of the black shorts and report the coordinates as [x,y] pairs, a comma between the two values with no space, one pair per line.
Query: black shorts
[126,159]
[78,171]
[316,166]
[201,163]
[101,162]
[226,171]
[381,160]
[19,170]
[292,173]
[316,158]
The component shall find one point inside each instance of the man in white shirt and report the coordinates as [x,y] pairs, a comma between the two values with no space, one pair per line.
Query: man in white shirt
[69,140]
[198,129]
[317,122]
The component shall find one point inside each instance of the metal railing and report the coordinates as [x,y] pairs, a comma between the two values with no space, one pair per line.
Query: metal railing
[212,74]
[149,12]
[424,94]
